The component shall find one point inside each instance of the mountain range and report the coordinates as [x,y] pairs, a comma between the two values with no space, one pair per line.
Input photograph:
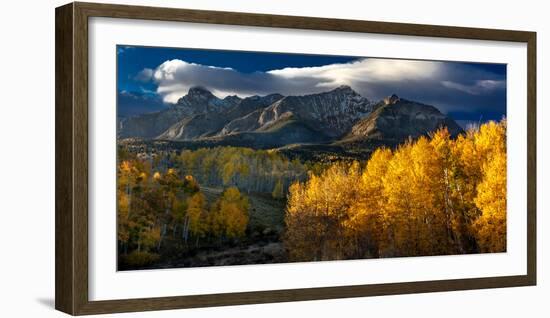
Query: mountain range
[336,120]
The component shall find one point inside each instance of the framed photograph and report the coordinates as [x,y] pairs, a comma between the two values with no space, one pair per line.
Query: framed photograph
[219,158]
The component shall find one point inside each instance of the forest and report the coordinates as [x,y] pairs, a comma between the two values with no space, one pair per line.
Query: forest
[435,195]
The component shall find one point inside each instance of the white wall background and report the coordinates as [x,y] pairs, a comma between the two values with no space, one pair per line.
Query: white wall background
[27,158]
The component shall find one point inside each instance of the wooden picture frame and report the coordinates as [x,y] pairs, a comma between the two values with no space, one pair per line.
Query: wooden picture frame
[71,89]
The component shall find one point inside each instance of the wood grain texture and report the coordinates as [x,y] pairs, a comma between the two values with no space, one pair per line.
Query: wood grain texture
[165,303]
[297,22]
[72,157]
[64,235]
[80,146]
[532,158]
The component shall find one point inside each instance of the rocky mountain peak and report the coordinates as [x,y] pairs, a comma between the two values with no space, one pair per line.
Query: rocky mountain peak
[344,89]
[200,100]
[233,100]
[199,93]
[390,100]
[333,112]
[396,119]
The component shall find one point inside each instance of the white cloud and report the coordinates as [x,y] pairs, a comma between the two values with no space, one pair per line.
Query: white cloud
[175,77]
[368,70]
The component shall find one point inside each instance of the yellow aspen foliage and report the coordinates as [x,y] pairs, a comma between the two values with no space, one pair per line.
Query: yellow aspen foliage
[197,214]
[190,184]
[229,170]
[236,219]
[300,222]
[122,217]
[447,214]
[150,237]
[431,193]
[398,215]
[229,216]
[491,192]
[490,139]
[216,221]
[438,195]
[468,175]
[179,210]
[126,178]
[157,176]
[413,215]
[367,212]
[469,160]
[318,212]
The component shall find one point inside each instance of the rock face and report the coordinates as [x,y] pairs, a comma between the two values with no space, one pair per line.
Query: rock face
[211,119]
[332,113]
[339,117]
[198,101]
[150,125]
[396,119]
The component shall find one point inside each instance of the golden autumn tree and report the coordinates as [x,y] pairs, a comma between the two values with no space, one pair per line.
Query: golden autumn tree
[443,178]
[432,173]
[491,192]
[229,214]
[133,219]
[125,185]
[123,220]
[467,164]
[150,237]
[163,199]
[179,215]
[414,216]
[431,196]
[318,212]
[366,221]
[197,213]
[300,221]
[478,151]
[399,218]
[190,184]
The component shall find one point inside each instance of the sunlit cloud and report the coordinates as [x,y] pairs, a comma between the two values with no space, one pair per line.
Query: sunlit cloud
[448,86]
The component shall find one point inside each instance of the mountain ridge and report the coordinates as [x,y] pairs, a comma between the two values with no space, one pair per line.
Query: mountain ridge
[397,118]
[340,117]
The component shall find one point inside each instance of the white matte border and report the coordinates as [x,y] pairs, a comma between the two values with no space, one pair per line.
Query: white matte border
[106,283]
